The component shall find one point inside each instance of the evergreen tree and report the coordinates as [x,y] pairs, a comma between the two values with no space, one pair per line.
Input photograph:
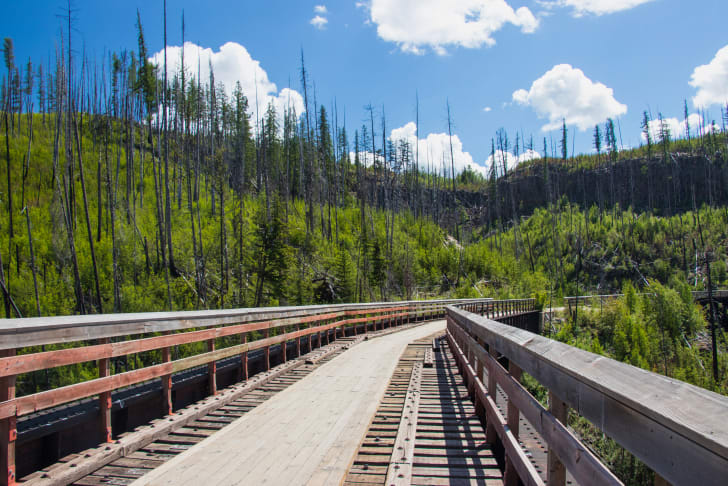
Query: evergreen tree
[270,259]
[378,272]
[647,133]
[598,141]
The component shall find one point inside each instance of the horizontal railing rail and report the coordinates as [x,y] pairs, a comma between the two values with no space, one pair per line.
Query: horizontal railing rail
[103,338]
[676,429]
[603,298]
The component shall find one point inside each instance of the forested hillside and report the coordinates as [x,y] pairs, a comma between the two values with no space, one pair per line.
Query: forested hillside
[129,188]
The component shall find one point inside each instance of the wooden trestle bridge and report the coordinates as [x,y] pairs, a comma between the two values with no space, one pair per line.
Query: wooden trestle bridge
[426,392]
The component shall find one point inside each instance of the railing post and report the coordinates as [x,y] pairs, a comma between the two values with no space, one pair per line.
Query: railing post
[284,346]
[8,429]
[513,418]
[244,358]
[479,406]
[298,342]
[212,369]
[266,351]
[491,435]
[105,398]
[166,382]
[556,470]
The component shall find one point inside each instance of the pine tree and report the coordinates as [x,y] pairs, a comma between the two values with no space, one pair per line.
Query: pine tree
[646,133]
[598,141]
[378,272]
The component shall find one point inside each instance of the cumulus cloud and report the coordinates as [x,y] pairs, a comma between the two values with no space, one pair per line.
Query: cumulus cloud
[435,150]
[415,25]
[596,7]
[320,9]
[231,64]
[509,159]
[678,129]
[319,22]
[487,109]
[711,81]
[565,93]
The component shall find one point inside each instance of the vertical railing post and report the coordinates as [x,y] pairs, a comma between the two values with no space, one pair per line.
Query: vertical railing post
[479,406]
[513,419]
[298,342]
[266,351]
[284,346]
[310,338]
[8,429]
[491,435]
[105,398]
[166,381]
[211,369]
[244,358]
[556,470]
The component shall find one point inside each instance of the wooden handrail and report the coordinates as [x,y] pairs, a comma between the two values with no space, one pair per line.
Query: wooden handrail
[92,339]
[36,331]
[677,429]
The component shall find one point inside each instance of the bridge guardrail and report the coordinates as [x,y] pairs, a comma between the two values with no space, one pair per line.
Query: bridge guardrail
[90,339]
[678,430]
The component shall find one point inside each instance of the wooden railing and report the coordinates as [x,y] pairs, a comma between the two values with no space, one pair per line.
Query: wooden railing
[102,338]
[601,299]
[676,429]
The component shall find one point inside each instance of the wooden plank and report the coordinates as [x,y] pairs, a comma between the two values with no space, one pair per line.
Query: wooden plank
[583,465]
[17,333]
[650,415]
[308,432]
[526,472]
[402,458]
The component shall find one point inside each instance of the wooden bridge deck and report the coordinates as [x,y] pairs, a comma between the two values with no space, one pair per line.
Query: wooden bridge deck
[445,443]
[307,433]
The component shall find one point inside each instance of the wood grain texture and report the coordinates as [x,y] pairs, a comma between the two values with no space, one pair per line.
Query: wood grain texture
[652,416]
[18,333]
[308,433]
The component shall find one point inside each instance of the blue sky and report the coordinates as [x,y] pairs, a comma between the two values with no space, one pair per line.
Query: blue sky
[531,62]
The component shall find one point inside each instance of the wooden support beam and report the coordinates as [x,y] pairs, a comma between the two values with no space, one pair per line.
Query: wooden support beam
[212,369]
[167,405]
[8,430]
[105,399]
[244,359]
[284,347]
[266,351]
[298,342]
[399,472]
[556,469]
[510,477]
[525,470]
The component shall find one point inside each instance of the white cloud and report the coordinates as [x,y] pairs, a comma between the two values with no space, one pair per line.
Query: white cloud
[418,24]
[231,64]
[510,160]
[596,7]
[677,128]
[320,9]
[711,80]
[434,150]
[319,22]
[487,109]
[565,93]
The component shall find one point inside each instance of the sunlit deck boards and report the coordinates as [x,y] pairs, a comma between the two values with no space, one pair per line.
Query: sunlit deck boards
[306,434]
[449,440]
